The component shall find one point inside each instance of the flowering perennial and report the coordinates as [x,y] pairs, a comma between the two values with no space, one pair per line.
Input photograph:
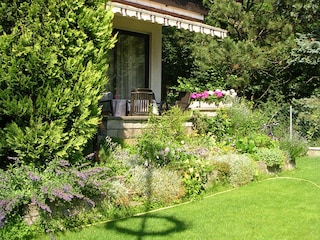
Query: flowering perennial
[210,95]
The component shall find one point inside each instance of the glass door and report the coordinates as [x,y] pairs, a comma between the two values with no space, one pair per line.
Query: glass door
[129,66]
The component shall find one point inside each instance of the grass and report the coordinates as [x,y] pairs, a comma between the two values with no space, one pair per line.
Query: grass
[282,207]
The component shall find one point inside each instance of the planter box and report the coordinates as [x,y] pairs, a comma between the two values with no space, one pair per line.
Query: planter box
[206,105]
[203,105]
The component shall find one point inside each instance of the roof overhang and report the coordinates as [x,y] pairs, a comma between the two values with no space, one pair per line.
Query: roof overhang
[165,19]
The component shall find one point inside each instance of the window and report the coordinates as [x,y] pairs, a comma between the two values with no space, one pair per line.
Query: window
[129,66]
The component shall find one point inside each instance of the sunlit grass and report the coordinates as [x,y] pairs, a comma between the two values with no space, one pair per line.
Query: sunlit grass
[283,207]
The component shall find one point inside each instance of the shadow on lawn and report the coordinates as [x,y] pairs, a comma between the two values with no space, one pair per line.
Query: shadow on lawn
[160,225]
[166,225]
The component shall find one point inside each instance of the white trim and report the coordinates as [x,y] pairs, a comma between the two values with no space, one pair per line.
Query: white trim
[166,20]
[172,9]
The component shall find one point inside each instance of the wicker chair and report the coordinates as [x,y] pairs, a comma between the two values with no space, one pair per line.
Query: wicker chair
[140,101]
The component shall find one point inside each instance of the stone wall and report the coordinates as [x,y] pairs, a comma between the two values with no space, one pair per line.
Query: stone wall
[127,127]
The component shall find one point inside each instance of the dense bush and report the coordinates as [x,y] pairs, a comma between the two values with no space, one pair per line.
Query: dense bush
[162,135]
[307,122]
[274,158]
[240,126]
[156,185]
[60,190]
[242,168]
[53,70]
[295,146]
[196,172]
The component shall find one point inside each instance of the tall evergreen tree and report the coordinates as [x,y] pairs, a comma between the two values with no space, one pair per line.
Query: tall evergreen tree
[260,55]
[54,61]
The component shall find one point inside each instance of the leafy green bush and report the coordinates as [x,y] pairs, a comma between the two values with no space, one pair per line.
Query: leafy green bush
[223,171]
[196,173]
[218,125]
[244,119]
[307,122]
[242,168]
[162,135]
[250,144]
[53,71]
[273,157]
[240,126]
[156,185]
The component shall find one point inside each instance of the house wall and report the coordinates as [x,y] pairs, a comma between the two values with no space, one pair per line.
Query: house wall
[155,33]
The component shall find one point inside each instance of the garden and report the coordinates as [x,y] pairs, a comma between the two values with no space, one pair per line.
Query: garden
[167,165]
[56,178]
[285,206]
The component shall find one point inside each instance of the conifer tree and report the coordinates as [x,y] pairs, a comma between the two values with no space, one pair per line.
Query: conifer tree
[53,57]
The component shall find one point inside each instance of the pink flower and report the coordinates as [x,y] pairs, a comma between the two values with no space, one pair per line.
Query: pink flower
[219,94]
[194,95]
[205,94]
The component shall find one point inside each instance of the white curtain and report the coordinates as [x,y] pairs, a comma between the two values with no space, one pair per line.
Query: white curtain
[129,64]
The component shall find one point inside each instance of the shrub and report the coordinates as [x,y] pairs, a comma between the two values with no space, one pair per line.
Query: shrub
[242,168]
[53,70]
[118,158]
[60,190]
[196,172]
[297,146]
[219,176]
[244,119]
[218,125]
[156,185]
[250,144]
[273,157]
[162,135]
[306,112]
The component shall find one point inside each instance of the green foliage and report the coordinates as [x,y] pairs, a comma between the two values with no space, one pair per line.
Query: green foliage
[118,158]
[177,58]
[239,125]
[156,185]
[54,64]
[306,114]
[218,125]
[17,228]
[196,172]
[223,171]
[60,190]
[273,157]
[245,145]
[264,56]
[242,168]
[296,146]
[245,119]
[162,135]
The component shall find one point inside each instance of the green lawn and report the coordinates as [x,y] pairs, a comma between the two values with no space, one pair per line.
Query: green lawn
[284,207]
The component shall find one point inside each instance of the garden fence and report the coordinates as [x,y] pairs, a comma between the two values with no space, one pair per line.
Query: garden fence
[299,120]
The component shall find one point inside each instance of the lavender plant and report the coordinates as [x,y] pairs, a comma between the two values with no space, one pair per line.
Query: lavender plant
[56,191]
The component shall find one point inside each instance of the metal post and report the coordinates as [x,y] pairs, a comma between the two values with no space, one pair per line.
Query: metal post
[291,122]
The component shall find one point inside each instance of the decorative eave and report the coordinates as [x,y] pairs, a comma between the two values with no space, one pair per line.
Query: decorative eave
[166,16]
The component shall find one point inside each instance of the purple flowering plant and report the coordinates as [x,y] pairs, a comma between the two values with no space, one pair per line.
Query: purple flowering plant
[59,184]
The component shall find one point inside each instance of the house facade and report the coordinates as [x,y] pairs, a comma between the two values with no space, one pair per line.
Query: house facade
[136,59]
[135,62]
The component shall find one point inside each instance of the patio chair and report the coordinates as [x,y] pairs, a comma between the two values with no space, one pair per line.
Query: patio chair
[140,101]
[106,103]
[183,100]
